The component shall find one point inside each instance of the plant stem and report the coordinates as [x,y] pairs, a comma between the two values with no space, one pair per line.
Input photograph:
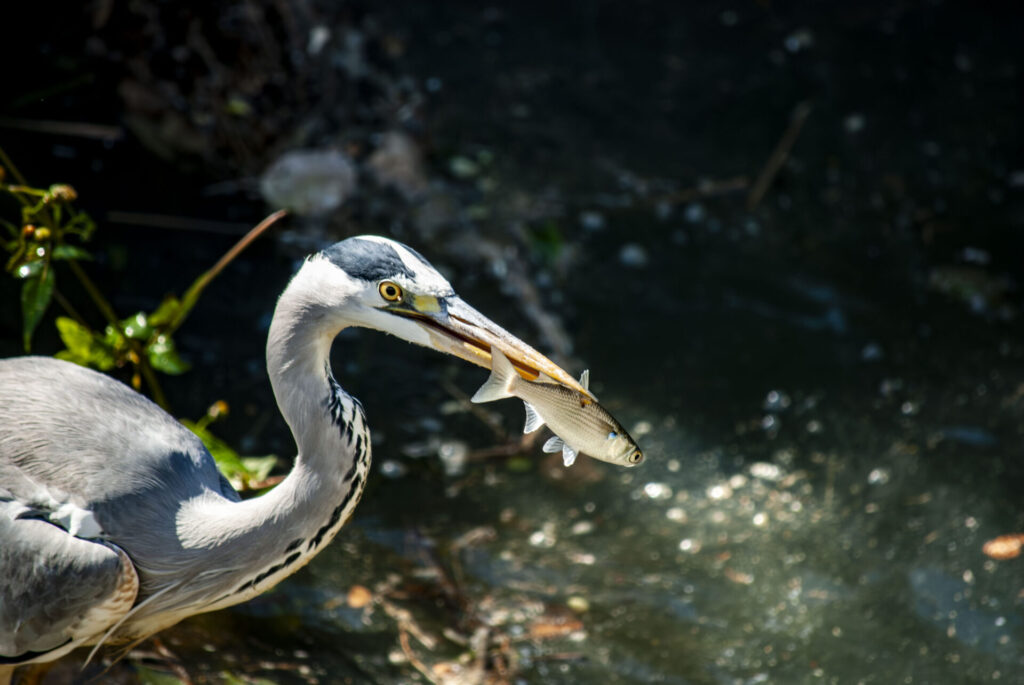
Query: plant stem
[108,313]
[191,296]
[9,165]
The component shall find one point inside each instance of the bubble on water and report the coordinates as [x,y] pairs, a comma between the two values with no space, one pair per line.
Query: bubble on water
[908,408]
[658,491]
[633,255]
[695,213]
[391,468]
[879,476]
[814,426]
[760,519]
[689,545]
[766,471]
[578,604]
[798,40]
[545,537]
[641,428]
[591,220]
[872,352]
[975,255]
[673,465]
[737,481]
[719,492]
[453,455]
[582,527]
[776,400]
[582,558]
[677,514]
[854,122]
[769,422]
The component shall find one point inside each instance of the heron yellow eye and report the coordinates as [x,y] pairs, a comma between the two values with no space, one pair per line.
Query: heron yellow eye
[390,291]
[636,457]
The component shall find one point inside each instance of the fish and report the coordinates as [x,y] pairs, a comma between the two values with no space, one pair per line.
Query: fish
[579,423]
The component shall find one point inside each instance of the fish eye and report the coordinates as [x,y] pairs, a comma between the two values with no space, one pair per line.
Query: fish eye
[613,435]
[636,457]
[390,291]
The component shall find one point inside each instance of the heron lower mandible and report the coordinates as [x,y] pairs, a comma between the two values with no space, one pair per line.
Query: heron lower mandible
[114,521]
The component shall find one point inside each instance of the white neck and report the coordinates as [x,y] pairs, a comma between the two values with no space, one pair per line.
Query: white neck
[244,548]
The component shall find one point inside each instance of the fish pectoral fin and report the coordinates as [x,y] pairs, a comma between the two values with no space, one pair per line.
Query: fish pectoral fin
[554,444]
[533,419]
[499,384]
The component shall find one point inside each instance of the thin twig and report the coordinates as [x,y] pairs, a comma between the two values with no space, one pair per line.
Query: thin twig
[486,417]
[403,639]
[6,162]
[68,308]
[191,296]
[74,129]
[177,223]
[779,155]
[707,188]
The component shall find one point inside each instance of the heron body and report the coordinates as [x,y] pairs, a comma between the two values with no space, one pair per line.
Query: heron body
[114,520]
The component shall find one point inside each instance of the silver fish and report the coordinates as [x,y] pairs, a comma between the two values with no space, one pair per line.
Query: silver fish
[580,424]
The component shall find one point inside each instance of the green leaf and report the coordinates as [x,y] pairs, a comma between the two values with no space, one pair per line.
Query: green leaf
[137,327]
[164,357]
[259,468]
[240,471]
[30,269]
[166,312]
[35,298]
[70,252]
[151,676]
[84,347]
[113,338]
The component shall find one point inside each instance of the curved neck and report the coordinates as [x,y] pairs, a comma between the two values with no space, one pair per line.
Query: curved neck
[244,548]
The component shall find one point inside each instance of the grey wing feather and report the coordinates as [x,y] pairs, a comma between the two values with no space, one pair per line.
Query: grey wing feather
[56,589]
[75,436]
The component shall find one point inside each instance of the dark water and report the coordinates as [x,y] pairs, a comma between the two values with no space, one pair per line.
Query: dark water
[829,386]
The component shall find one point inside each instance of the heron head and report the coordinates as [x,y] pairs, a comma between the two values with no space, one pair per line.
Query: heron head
[382,284]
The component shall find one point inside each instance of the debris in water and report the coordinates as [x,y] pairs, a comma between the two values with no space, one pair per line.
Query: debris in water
[359,597]
[309,182]
[633,255]
[398,163]
[1004,546]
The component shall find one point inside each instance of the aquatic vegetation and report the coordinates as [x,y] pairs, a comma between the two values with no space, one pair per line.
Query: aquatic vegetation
[49,231]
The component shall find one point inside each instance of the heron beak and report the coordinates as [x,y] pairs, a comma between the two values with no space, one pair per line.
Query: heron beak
[459,330]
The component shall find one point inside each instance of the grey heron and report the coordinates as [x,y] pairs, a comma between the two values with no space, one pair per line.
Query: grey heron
[114,521]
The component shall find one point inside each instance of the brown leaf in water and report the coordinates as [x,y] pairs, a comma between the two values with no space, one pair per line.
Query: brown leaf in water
[359,596]
[1004,546]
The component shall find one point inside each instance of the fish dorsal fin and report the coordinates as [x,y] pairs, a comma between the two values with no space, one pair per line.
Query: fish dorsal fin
[533,419]
[499,384]
[585,382]
[568,455]
[554,444]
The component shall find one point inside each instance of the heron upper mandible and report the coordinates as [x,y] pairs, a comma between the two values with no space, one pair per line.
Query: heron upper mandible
[114,521]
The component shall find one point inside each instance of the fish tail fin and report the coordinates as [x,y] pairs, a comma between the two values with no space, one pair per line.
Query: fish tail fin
[499,384]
